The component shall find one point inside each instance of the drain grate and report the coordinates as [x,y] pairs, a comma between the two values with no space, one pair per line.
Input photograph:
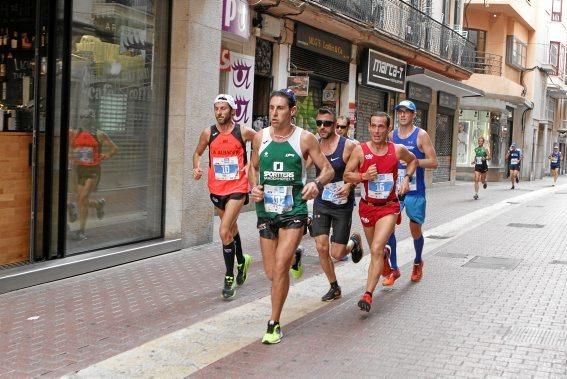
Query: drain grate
[535,336]
[530,226]
[493,263]
[451,255]
[435,237]
[556,262]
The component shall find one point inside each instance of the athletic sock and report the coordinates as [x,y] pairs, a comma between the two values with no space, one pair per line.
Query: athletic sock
[228,253]
[418,244]
[238,244]
[393,258]
[335,285]
[368,293]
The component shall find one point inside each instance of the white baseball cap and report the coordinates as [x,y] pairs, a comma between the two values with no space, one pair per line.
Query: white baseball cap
[224,98]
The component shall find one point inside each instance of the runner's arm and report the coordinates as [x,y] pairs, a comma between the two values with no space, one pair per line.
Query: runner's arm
[107,141]
[313,151]
[351,174]
[257,192]
[403,154]
[199,150]
[488,155]
[430,160]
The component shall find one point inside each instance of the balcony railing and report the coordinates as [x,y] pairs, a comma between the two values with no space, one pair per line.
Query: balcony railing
[402,22]
[486,63]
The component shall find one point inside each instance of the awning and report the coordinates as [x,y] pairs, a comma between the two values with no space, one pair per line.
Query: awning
[439,82]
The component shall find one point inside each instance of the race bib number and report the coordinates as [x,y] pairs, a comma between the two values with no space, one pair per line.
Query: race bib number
[330,193]
[278,199]
[478,160]
[381,187]
[401,174]
[226,168]
[85,155]
[514,161]
[554,160]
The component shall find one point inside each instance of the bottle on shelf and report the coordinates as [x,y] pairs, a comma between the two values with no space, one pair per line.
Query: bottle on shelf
[5,37]
[1,37]
[43,39]
[14,42]
[26,43]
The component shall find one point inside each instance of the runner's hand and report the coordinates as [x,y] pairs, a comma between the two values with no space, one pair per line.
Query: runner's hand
[344,191]
[310,191]
[257,193]
[371,173]
[404,186]
[197,173]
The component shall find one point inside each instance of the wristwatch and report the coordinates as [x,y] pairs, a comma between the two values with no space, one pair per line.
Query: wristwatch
[318,184]
[409,176]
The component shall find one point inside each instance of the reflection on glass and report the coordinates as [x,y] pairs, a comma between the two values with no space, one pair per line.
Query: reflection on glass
[117,123]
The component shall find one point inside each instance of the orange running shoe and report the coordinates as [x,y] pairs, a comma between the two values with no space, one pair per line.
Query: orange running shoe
[417,272]
[365,302]
[389,280]
[387,270]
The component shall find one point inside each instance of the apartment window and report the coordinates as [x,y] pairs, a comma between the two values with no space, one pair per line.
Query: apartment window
[551,105]
[556,6]
[554,55]
[516,52]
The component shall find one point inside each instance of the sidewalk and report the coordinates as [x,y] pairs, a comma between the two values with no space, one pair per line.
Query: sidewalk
[65,326]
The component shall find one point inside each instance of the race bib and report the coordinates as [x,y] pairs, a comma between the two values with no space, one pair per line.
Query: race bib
[514,161]
[278,199]
[554,160]
[401,174]
[381,187]
[330,193]
[478,160]
[226,168]
[85,155]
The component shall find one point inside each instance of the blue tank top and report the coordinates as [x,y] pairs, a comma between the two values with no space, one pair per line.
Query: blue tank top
[514,157]
[326,197]
[417,185]
[555,159]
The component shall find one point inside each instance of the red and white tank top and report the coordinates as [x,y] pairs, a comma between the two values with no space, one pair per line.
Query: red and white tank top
[227,162]
[86,149]
[383,188]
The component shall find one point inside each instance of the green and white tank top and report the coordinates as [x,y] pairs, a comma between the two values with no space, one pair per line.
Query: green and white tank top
[283,175]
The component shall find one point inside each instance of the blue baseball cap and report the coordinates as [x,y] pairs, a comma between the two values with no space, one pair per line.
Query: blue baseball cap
[406,104]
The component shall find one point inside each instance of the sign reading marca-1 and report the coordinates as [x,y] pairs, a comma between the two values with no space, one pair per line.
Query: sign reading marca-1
[383,71]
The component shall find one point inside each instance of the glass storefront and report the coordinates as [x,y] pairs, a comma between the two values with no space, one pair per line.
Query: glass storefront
[321,94]
[118,92]
[472,125]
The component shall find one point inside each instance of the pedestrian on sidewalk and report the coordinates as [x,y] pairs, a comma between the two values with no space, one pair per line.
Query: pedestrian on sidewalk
[514,159]
[332,208]
[278,175]
[417,141]
[481,156]
[342,129]
[375,165]
[228,184]
[555,162]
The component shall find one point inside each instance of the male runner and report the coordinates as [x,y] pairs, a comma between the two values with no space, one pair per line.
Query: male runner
[277,171]
[555,162]
[343,124]
[481,156]
[333,206]
[375,165]
[417,141]
[228,184]
[514,158]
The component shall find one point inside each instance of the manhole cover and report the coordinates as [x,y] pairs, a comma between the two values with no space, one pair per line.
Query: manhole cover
[520,225]
[556,262]
[494,263]
[535,336]
[451,255]
[434,237]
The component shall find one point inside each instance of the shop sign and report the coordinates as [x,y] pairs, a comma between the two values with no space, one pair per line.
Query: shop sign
[562,137]
[419,93]
[323,43]
[236,17]
[241,86]
[383,71]
[225,60]
[447,100]
[299,85]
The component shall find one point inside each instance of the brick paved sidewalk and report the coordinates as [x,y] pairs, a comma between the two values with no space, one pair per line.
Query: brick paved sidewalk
[60,327]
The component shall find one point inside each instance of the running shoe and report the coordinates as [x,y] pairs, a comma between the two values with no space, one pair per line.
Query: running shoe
[475,196]
[387,270]
[73,212]
[80,235]
[512,187]
[365,302]
[243,270]
[229,289]
[99,205]
[296,269]
[417,272]
[332,294]
[273,334]
[484,185]
[389,280]
[357,250]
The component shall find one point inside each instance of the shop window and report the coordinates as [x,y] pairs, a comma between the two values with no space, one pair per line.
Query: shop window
[117,123]
[556,7]
[472,125]
[516,52]
[554,48]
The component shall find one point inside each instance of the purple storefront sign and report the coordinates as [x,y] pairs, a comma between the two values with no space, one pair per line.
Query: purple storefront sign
[236,17]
